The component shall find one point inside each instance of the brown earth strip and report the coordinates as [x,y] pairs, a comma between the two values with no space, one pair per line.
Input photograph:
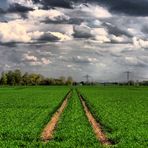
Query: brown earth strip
[48,131]
[95,125]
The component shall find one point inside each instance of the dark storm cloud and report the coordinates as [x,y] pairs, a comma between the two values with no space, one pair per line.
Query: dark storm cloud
[47,37]
[129,7]
[57,20]
[17,8]
[3,4]
[14,56]
[76,21]
[145,29]
[82,32]
[47,4]
[60,20]
[80,60]
[118,42]
[2,11]
[87,49]
[9,44]
[116,30]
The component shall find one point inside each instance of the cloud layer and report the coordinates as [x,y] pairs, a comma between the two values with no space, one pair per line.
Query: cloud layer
[62,37]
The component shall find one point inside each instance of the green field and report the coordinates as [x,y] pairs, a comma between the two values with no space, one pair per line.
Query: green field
[122,112]
[24,111]
[74,129]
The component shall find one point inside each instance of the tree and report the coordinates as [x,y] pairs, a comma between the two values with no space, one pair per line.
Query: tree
[45,81]
[25,79]
[35,79]
[32,78]
[69,80]
[62,79]
[4,78]
[10,78]
[18,76]
[39,79]
[52,81]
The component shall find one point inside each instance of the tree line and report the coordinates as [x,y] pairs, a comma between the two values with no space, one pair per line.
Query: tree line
[16,77]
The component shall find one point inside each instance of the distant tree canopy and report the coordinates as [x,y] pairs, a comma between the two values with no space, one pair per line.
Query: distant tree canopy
[16,77]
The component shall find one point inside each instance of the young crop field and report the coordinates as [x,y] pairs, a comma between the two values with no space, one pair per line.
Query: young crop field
[123,113]
[24,111]
[74,129]
[47,117]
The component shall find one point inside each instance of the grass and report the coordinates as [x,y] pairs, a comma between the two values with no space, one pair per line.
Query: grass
[74,130]
[24,111]
[123,113]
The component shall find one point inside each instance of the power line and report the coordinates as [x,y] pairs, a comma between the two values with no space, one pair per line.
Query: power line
[128,75]
[87,78]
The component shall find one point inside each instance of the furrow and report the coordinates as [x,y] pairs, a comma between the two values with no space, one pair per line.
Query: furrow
[100,135]
[48,131]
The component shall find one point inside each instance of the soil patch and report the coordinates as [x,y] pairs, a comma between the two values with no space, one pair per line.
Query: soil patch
[48,131]
[95,125]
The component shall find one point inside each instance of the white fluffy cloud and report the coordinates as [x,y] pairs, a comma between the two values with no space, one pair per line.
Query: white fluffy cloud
[28,57]
[139,43]
[33,60]
[134,61]
[21,31]
[81,59]
[119,39]
[102,39]
[99,31]
[46,14]
[45,61]
[62,37]
[95,10]
[35,35]
[27,3]
[100,34]
[13,32]
[31,29]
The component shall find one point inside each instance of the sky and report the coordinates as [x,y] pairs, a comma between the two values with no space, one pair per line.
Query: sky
[103,39]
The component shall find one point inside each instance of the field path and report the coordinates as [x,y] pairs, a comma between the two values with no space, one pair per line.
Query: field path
[47,133]
[95,125]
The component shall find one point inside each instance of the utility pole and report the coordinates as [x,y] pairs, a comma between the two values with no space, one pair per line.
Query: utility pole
[87,78]
[128,75]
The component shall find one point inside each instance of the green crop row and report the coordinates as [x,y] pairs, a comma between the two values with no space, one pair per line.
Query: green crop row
[24,111]
[74,130]
[123,113]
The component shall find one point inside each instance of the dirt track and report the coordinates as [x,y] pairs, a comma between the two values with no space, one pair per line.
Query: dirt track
[95,125]
[47,133]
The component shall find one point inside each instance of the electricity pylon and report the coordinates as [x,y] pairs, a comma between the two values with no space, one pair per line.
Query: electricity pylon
[87,78]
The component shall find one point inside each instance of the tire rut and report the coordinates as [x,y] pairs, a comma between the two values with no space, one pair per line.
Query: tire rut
[48,131]
[100,135]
